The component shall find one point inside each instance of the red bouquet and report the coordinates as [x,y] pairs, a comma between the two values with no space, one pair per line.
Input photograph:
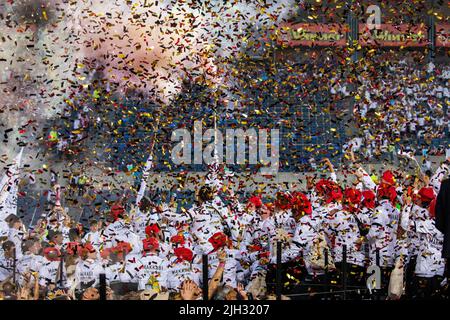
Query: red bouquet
[283,201]
[300,205]
[352,199]
[218,240]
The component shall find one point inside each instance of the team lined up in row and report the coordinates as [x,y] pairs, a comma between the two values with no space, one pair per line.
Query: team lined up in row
[154,247]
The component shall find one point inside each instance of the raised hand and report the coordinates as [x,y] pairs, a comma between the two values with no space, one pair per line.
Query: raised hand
[222,255]
[24,293]
[309,182]
[406,199]
[188,290]
[329,164]
[240,288]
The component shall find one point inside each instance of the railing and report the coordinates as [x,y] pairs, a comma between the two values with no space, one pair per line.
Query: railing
[343,286]
[343,289]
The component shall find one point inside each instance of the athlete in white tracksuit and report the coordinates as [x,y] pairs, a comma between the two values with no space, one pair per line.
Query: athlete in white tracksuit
[382,235]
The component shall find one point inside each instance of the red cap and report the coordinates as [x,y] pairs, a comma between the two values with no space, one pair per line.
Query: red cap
[117,210]
[177,239]
[256,201]
[52,253]
[183,254]
[254,248]
[150,244]
[388,178]
[387,193]
[368,199]
[152,229]
[427,194]
[122,247]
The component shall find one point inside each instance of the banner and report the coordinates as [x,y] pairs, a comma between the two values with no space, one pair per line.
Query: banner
[389,35]
[442,34]
[308,34]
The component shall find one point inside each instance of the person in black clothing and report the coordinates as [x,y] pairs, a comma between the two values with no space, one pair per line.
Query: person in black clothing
[442,212]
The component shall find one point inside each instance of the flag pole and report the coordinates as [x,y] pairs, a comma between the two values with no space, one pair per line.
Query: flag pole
[32,218]
[147,168]
[216,155]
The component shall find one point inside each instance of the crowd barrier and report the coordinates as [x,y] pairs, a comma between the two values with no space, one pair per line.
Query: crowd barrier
[341,289]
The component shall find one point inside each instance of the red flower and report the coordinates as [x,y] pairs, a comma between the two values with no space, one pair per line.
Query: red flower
[335,195]
[85,249]
[426,194]
[352,196]
[183,254]
[88,246]
[105,252]
[218,240]
[323,186]
[329,190]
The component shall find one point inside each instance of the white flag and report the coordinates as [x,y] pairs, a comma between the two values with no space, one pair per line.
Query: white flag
[410,155]
[9,187]
[145,175]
